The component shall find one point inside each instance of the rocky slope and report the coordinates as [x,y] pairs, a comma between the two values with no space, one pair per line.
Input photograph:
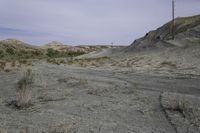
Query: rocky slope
[156,51]
[187,31]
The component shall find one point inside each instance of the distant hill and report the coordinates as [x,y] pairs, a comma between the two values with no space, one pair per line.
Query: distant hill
[83,48]
[56,46]
[20,45]
[16,45]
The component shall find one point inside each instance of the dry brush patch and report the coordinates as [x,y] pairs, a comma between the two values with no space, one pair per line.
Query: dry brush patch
[23,96]
[183,111]
[80,62]
[53,61]
[9,65]
[89,61]
[175,102]
[24,92]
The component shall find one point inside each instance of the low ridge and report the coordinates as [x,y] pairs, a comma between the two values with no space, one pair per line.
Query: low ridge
[16,44]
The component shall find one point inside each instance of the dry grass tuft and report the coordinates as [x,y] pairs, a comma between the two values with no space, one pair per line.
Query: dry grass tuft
[2,65]
[180,105]
[23,90]
[176,103]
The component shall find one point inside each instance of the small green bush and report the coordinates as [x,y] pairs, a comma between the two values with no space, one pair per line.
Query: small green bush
[55,53]
[2,54]
[10,51]
[37,53]
[11,54]
[74,53]
[52,53]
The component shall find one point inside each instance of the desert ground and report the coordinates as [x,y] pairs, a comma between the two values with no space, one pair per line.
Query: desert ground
[101,99]
[151,86]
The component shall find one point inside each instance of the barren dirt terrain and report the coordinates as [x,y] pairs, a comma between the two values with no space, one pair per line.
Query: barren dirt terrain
[93,99]
[151,86]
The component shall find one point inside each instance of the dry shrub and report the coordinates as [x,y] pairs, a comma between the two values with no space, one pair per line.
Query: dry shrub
[175,103]
[62,61]
[2,65]
[53,61]
[23,90]
[13,63]
[23,61]
[179,104]
[168,64]
[56,61]
[7,70]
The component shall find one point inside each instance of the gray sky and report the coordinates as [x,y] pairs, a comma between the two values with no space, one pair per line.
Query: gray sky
[87,21]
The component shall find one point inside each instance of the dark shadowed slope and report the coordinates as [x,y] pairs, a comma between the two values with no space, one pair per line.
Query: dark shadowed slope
[187,31]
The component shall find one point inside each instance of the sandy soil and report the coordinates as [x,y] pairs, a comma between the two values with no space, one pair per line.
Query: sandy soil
[102,99]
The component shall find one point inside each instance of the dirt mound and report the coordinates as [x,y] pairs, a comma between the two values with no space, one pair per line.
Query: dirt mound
[56,46]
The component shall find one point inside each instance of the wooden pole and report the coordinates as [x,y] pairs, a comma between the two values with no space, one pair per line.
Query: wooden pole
[173,19]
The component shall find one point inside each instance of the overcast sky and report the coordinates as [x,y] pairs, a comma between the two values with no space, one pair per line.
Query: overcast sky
[87,21]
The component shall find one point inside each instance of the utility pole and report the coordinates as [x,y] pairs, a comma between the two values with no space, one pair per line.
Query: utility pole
[112,44]
[173,20]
